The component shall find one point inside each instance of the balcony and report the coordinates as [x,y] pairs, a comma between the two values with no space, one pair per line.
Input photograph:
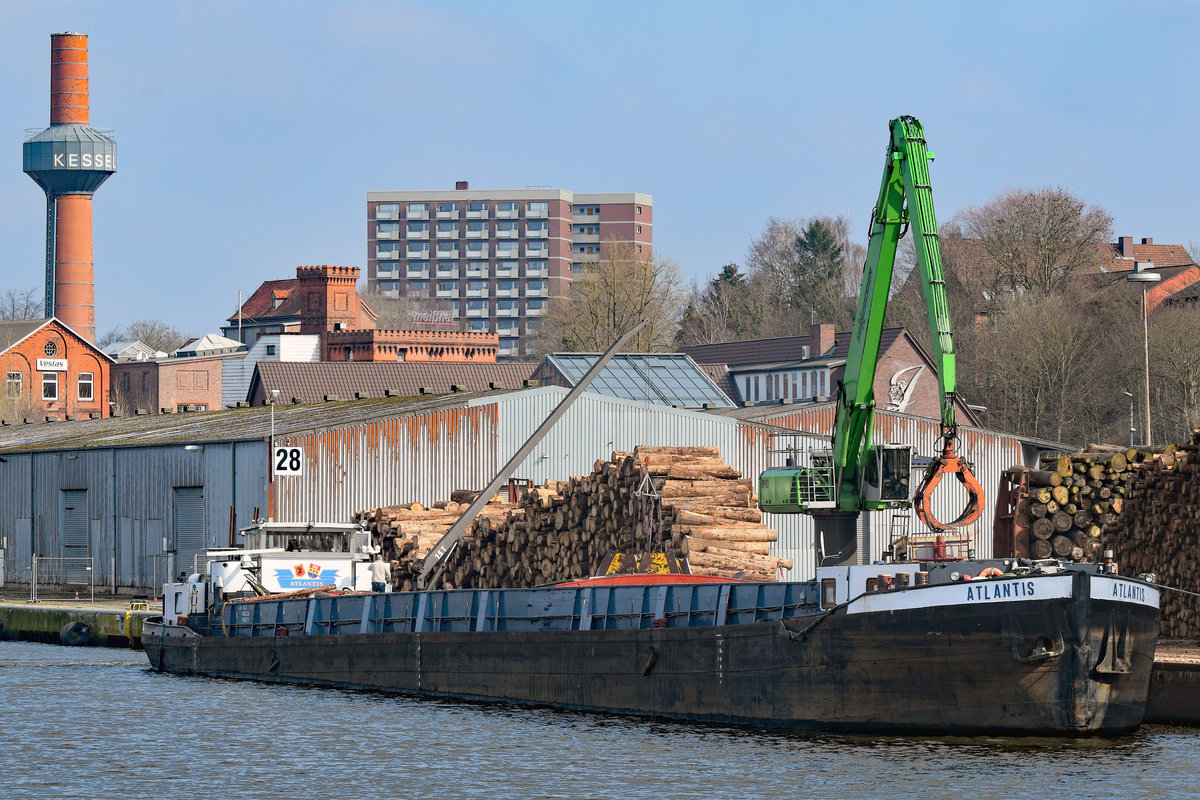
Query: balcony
[510,214]
[477,272]
[508,312]
[503,234]
[512,352]
[481,214]
[586,238]
[477,292]
[536,233]
[447,214]
[483,234]
[506,272]
[410,214]
[540,272]
[418,235]
[387,234]
[535,251]
[447,253]
[537,213]
[535,312]
[417,252]
[382,254]
[447,234]
[417,274]
[477,312]
[513,292]
[446,293]
[507,253]
[386,214]
[444,273]
[388,270]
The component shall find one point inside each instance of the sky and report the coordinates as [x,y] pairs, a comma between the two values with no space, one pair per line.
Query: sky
[250,133]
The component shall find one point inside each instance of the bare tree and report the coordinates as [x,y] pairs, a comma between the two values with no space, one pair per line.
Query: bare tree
[611,296]
[1175,373]
[20,304]
[153,333]
[1036,239]
[395,313]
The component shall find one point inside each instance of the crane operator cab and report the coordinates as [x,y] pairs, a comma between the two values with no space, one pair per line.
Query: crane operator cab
[886,477]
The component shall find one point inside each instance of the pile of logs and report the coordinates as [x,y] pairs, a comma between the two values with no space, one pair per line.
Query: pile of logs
[1159,532]
[685,501]
[1076,498]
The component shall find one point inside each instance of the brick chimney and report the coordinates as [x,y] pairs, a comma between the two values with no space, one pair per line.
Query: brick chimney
[1147,240]
[461,186]
[328,300]
[820,339]
[1125,246]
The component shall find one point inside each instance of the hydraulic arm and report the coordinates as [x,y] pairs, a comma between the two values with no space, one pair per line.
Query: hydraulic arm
[857,475]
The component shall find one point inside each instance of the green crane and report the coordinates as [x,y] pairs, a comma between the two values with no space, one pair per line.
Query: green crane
[857,475]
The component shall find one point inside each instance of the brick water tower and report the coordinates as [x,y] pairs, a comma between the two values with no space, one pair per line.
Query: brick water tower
[70,160]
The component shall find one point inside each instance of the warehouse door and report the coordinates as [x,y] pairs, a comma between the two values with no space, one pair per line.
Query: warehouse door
[189,529]
[75,541]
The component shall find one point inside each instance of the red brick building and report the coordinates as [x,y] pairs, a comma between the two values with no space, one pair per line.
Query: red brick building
[175,384]
[51,372]
[324,300]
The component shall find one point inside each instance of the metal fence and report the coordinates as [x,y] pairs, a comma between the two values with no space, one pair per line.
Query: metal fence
[59,571]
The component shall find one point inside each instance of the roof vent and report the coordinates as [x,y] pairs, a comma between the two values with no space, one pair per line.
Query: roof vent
[94,415]
[331,398]
[297,401]
[361,395]
[50,419]
[495,385]
[391,393]
[785,401]
[70,417]
[141,412]
[532,383]
[749,403]
[424,390]
[454,387]
[242,404]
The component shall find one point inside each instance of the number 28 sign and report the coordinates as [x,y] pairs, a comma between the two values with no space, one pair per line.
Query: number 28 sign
[288,461]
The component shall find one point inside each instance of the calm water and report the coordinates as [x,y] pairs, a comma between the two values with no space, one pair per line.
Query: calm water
[94,723]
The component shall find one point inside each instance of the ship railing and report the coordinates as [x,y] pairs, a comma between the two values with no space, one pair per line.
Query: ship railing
[496,610]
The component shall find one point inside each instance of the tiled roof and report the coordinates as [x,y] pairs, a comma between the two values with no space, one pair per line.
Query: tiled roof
[753,351]
[13,331]
[719,373]
[259,306]
[313,380]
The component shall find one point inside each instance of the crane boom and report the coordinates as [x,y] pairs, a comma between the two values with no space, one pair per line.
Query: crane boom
[857,475]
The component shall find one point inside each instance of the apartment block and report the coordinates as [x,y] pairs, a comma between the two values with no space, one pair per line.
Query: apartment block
[495,258]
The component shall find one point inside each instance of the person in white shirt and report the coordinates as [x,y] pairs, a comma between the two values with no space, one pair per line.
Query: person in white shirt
[381,574]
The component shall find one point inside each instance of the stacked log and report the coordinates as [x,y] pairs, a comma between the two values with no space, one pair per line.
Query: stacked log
[1159,532]
[565,529]
[1074,500]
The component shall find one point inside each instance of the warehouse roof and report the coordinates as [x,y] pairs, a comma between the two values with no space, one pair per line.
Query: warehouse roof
[231,424]
[313,380]
[670,379]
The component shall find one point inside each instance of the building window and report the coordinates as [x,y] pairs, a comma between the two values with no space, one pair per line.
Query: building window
[506,207]
[507,249]
[639,209]
[639,228]
[14,384]
[417,228]
[49,385]
[539,205]
[447,208]
[85,386]
[125,383]
[639,248]
[385,228]
[418,208]
[477,207]
[270,349]
[418,288]
[383,209]
[145,381]
[50,349]
[447,227]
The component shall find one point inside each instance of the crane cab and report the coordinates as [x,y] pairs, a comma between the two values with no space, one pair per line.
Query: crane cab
[887,478]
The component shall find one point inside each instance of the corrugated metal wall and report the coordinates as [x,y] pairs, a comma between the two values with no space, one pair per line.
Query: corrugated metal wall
[129,508]
[420,458]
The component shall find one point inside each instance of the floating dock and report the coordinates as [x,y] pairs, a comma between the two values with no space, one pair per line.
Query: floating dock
[110,623]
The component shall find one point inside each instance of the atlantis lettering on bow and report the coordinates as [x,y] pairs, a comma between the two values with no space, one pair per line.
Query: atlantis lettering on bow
[1001,590]
[1129,591]
[85,160]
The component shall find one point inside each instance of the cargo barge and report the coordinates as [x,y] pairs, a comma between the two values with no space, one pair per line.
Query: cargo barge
[1024,648]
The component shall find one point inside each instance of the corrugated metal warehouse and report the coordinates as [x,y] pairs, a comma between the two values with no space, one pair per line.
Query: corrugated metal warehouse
[130,493]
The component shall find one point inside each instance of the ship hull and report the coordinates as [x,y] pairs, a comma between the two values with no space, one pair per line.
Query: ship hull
[914,661]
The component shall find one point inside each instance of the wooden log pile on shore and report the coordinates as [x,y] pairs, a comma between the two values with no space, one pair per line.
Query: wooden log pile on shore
[565,529]
[1159,532]
[1074,499]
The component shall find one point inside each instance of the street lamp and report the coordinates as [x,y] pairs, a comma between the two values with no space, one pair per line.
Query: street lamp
[1140,275]
[1131,428]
